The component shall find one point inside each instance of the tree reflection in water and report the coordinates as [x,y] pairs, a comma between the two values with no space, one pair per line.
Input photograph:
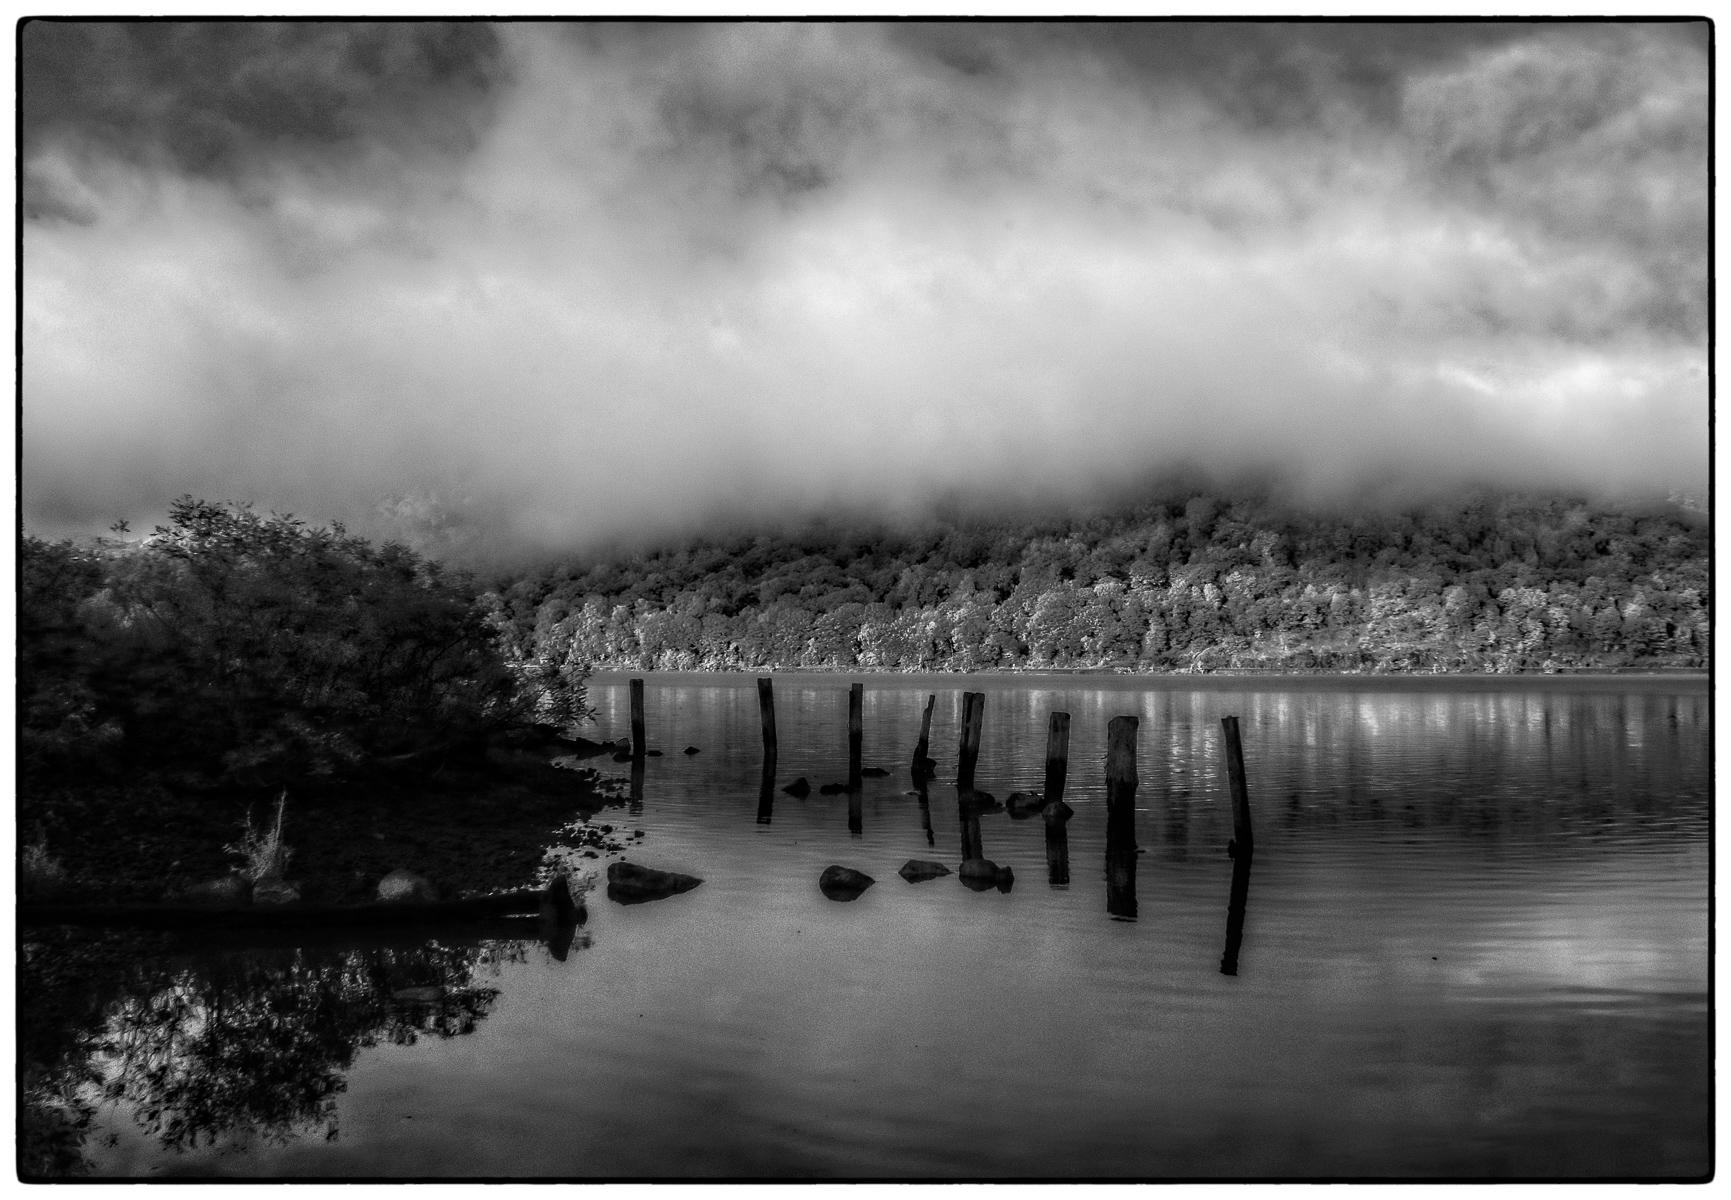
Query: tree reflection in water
[237,1047]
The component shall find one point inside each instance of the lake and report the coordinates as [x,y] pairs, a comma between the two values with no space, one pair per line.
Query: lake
[1475,943]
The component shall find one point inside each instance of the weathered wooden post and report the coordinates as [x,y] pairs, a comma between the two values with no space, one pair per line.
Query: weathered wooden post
[922,749]
[766,782]
[855,734]
[1057,756]
[855,812]
[1121,817]
[973,714]
[766,711]
[638,745]
[1243,844]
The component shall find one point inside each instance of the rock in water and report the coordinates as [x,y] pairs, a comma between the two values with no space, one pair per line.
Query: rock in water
[1024,804]
[918,870]
[833,789]
[873,772]
[628,883]
[402,885]
[798,787]
[691,750]
[843,883]
[980,874]
[1057,812]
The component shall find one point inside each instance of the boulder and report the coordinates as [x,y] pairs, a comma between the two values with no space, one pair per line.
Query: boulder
[400,886]
[833,789]
[1057,812]
[691,750]
[275,891]
[843,883]
[230,889]
[628,883]
[918,870]
[980,874]
[798,787]
[1023,805]
[874,772]
[980,801]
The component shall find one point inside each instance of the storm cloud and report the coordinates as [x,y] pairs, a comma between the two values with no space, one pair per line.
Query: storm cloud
[536,285]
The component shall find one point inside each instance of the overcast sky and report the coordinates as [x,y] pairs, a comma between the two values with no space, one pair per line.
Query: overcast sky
[547,283]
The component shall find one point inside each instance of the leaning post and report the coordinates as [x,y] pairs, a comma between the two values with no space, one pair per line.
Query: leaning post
[922,750]
[766,711]
[1243,844]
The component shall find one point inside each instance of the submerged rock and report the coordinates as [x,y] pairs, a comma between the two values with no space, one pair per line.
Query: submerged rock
[833,789]
[918,870]
[402,885]
[691,750]
[874,772]
[628,883]
[1057,812]
[1024,804]
[798,787]
[843,883]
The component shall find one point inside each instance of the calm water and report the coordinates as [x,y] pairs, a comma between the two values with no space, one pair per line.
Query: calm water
[1475,944]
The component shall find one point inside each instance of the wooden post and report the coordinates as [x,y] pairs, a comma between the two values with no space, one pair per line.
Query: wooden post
[1243,845]
[1057,756]
[855,812]
[855,734]
[638,745]
[1121,764]
[1121,817]
[766,711]
[558,904]
[973,714]
[922,750]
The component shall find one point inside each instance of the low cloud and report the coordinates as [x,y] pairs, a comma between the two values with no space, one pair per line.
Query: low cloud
[538,286]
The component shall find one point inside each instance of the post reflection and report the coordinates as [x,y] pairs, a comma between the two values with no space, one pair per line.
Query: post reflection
[922,778]
[1121,863]
[636,793]
[1235,907]
[855,813]
[766,792]
[1058,847]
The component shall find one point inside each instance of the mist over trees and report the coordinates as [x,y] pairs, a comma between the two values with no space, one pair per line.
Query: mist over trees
[1197,582]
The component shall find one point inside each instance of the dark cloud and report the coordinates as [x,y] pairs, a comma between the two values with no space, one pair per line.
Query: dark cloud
[531,284]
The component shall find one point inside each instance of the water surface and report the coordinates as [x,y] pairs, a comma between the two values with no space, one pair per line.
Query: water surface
[1474,944]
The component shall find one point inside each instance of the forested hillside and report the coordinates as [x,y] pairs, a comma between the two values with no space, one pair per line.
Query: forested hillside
[1190,583]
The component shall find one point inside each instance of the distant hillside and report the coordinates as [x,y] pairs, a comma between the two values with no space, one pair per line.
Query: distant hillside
[1192,583]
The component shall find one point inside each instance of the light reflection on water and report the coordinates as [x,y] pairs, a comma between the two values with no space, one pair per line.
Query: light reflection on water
[1475,943]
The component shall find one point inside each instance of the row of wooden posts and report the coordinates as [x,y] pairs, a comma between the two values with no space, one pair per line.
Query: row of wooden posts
[1121,777]
[1121,783]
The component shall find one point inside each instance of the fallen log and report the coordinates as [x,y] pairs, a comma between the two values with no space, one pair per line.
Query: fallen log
[555,901]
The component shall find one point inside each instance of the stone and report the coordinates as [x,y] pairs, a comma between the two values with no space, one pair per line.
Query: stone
[843,883]
[1057,812]
[874,772]
[798,787]
[275,891]
[918,870]
[691,750]
[628,883]
[833,789]
[400,886]
[980,874]
[1023,805]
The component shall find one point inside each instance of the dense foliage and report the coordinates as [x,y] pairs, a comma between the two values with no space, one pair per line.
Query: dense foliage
[1196,582]
[234,648]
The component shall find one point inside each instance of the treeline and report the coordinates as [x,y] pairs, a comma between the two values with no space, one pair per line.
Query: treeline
[1493,583]
[233,649]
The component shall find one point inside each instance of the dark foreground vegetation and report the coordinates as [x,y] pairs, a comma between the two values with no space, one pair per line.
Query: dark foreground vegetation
[168,686]
[1191,582]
